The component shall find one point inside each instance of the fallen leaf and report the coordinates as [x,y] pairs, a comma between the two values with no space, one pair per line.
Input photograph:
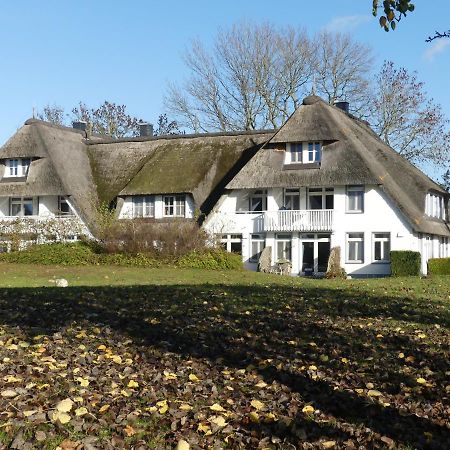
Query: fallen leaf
[218,420]
[216,407]
[65,405]
[81,411]
[193,377]
[60,416]
[374,393]
[257,404]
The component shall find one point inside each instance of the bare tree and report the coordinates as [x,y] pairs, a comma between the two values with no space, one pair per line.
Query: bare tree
[406,119]
[166,126]
[53,113]
[109,119]
[252,78]
[255,76]
[343,69]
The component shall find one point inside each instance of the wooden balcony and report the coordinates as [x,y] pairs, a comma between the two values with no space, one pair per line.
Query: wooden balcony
[305,220]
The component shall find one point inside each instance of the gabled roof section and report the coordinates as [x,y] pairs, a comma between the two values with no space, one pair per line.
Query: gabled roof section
[352,154]
[62,167]
[195,164]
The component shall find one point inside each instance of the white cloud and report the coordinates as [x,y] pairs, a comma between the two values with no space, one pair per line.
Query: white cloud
[347,23]
[438,46]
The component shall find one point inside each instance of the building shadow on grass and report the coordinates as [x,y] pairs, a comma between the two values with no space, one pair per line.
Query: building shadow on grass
[249,325]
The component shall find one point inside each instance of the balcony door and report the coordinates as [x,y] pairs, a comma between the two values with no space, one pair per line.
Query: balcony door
[314,252]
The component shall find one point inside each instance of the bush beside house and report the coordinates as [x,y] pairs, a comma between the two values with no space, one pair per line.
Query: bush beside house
[439,266]
[405,263]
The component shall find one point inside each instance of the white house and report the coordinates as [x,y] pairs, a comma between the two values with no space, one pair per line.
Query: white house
[324,179]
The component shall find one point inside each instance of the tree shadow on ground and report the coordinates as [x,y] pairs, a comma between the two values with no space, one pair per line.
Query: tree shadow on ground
[282,331]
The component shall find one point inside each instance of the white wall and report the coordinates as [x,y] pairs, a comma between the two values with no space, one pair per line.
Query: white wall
[380,215]
[127,208]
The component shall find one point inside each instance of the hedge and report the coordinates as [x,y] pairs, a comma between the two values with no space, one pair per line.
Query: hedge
[88,253]
[405,263]
[439,266]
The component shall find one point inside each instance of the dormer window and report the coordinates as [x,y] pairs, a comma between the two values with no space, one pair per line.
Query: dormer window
[303,153]
[435,206]
[17,167]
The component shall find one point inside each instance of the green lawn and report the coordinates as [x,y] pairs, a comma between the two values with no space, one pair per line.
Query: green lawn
[145,357]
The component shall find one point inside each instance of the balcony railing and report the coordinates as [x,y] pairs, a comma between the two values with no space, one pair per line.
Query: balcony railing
[299,220]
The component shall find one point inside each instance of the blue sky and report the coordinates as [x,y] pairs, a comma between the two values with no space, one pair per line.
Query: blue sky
[61,52]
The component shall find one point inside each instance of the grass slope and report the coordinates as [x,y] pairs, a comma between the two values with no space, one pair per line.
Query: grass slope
[221,359]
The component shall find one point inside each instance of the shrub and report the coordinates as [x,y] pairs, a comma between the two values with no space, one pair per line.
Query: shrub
[90,253]
[439,266]
[405,263]
[73,254]
[160,240]
[211,259]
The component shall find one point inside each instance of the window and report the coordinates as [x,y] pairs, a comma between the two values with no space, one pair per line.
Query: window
[292,199]
[314,152]
[174,205]
[17,167]
[304,152]
[258,242]
[284,247]
[258,201]
[444,249]
[381,247]
[143,206]
[355,199]
[296,150]
[21,206]
[321,198]
[63,206]
[232,243]
[435,206]
[355,247]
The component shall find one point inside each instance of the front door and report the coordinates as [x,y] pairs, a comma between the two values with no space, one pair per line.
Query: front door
[314,252]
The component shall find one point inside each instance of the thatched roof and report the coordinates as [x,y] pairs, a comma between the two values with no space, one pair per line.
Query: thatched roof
[352,154]
[62,167]
[195,164]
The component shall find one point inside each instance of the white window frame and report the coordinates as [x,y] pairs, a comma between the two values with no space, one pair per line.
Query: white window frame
[17,167]
[260,243]
[283,242]
[350,190]
[320,192]
[385,243]
[258,195]
[293,196]
[62,202]
[21,201]
[309,152]
[143,206]
[435,206]
[227,241]
[444,249]
[354,237]
[174,205]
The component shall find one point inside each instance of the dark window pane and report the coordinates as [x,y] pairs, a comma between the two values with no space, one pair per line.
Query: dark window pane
[315,202]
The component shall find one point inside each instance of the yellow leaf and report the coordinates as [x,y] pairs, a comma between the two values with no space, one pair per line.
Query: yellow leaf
[218,420]
[216,407]
[170,375]
[29,412]
[369,385]
[129,430]
[103,409]
[163,406]
[84,382]
[64,405]
[125,393]
[271,417]
[257,404]
[312,367]
[182,445]
[261,385]
[308,409]
[422,336]
[185,407]
[117,359]
[60,416]
[101,347]
[409,359]
[204,428]
[193,377]
[374,393]
[81,411]
[401,355]
[12,379]
[421,380]
[328,444]
[133,384]
[344,360]
[254,417]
